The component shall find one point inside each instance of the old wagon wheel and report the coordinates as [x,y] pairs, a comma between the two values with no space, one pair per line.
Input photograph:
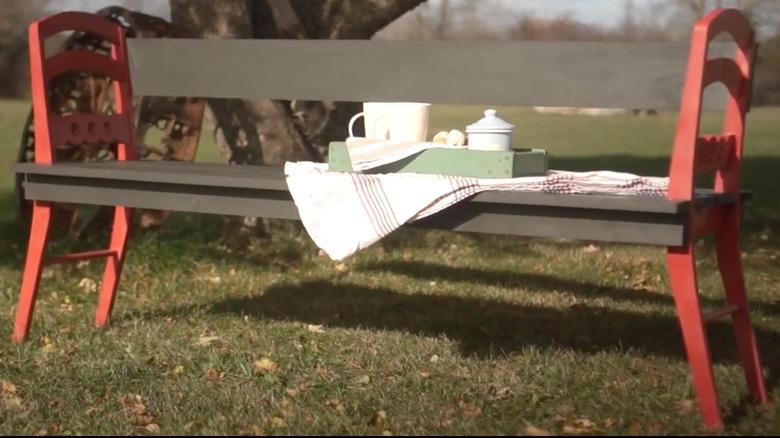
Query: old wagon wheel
[177,122]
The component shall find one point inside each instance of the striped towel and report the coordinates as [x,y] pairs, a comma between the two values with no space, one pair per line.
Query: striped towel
[347,212]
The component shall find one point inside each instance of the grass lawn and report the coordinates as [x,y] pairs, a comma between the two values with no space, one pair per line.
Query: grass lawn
[439,333]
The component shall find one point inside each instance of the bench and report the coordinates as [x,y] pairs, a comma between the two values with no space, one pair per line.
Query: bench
[604,74]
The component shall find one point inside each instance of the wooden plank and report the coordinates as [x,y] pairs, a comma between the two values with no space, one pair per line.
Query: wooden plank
[163,172]
[579,74]
[219,200]
[535,221]
[212,176]
[566,223]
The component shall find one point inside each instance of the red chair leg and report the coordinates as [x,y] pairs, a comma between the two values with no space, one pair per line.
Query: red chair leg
[682,273]
[119,237]
[730,266]
[31,279]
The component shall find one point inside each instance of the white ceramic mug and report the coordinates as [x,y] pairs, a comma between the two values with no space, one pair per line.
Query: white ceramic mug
[376,123]
[403,121]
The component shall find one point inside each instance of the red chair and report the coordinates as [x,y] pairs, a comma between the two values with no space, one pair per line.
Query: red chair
[74,130]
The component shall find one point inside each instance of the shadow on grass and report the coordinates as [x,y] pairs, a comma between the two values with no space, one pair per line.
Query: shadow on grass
[482,327]
[537,282]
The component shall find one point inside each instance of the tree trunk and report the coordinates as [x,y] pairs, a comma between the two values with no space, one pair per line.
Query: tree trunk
[272,132]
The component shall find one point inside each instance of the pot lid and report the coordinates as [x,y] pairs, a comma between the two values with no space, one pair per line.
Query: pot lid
[490,123]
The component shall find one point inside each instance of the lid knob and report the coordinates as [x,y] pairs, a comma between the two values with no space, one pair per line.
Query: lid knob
[491,123]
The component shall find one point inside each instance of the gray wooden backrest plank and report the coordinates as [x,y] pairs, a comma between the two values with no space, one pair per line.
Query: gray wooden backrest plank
[575,74]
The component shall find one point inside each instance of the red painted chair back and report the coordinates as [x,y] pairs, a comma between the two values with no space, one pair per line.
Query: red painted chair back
[721,153]
[53,130]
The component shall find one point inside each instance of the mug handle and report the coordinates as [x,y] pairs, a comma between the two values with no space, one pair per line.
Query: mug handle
[352,122]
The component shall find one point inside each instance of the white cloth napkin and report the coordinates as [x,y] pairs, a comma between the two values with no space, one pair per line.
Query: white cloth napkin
[347,212]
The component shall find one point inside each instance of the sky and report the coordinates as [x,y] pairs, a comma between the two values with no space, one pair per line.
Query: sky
[592,11]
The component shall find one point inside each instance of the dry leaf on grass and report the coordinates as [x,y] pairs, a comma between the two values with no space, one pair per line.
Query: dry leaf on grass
[8,387]
[316,328]
[213,374]
[88,285]
[205,341]
[531,430]
[253,430]
[580,426]
[265,366]
[378,418]
[152,428]
[363,380]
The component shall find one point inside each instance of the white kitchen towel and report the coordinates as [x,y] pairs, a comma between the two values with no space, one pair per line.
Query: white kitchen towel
[347,212]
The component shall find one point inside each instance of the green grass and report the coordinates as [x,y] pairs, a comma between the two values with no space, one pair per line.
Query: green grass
[436,333]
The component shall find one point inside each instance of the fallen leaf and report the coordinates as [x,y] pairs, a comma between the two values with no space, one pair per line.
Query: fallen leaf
[42,432]
[635,428]
[655,427]
[686,405]
[292,392]
[88,285]
[143,419]
[277,422]
[335,404]
[591,248]
[214,279]
[253,430]
[609,422]
[363,380]
[316,328]
[178,369]
[502,393]
[214,374]
[152,428]
[531,430]
[434,358]
[265,365]
[581,426]
[205,341]
[424,374]
[387,433]
[472,412]
[11,402]
[8,387]
[188,427]
[48,345]
[378,418]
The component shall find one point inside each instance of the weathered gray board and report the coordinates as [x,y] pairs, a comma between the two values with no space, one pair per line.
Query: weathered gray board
[570,74]
[261,192]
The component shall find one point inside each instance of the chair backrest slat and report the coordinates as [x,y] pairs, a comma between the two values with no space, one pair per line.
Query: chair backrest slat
[569,74]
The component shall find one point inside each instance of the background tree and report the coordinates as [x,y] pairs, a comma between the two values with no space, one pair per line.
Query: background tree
[272,132]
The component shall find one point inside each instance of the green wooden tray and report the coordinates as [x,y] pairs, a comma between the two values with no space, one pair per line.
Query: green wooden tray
[455,162]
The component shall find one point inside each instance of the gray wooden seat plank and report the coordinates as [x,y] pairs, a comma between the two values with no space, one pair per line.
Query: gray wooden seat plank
[161,176]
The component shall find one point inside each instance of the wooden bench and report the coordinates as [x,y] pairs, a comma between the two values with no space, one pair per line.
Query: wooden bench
[619,75]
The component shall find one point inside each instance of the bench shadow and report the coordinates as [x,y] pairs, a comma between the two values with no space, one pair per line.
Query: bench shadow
[531,282]
[484,328]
